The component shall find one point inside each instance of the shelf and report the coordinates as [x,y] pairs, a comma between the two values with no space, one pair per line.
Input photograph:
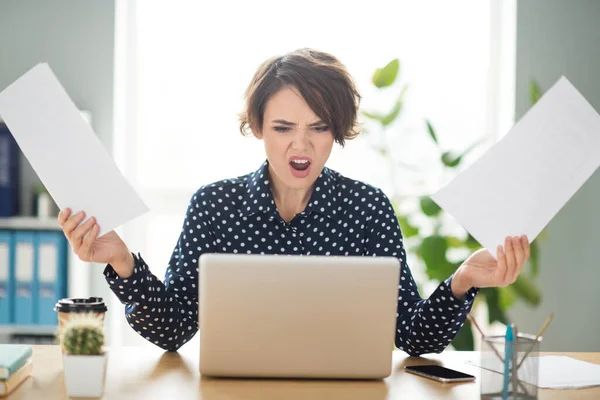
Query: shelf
[28,329]
[30,223]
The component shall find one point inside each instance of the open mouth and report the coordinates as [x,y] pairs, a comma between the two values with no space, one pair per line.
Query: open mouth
[300,164]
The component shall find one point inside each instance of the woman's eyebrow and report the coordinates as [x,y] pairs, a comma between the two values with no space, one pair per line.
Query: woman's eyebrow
[284,122]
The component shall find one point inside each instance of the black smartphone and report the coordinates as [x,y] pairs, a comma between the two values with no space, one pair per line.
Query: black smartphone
[439,373]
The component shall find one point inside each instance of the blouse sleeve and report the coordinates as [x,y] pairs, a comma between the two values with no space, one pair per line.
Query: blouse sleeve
[166,313]
[422,325]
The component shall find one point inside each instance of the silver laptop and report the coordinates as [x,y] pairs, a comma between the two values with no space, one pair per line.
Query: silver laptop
[286,316]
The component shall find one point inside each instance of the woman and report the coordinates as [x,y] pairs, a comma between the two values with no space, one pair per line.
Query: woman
[298,105]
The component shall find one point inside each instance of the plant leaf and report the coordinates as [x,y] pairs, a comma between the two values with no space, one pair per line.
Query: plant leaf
[542,235]
[388,119]
[386,76]
[508,296]
[433,252]
[431,132]
[534,92]
[527,290]
[463,341]
[472,243]
[392,115]
[471,147]
[406,228]
[450,159]
[455,243]
[429,207]
[534,258]
[495,310]
[371,115]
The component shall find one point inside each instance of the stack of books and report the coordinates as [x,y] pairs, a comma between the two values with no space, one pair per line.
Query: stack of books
[15,366]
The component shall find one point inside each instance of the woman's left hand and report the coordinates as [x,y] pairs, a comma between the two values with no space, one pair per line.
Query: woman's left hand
[482,270]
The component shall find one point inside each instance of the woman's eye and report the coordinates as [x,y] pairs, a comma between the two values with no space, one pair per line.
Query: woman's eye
[323,128]
[281,129]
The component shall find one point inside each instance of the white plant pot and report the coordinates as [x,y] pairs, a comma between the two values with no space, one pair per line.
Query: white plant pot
[84,375]
[44,205]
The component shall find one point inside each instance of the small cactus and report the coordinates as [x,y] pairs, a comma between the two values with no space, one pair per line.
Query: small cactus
[83,335]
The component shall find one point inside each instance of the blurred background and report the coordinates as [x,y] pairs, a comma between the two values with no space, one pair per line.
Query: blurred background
[161,83]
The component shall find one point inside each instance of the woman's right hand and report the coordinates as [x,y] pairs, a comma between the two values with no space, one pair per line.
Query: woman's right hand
[108,249]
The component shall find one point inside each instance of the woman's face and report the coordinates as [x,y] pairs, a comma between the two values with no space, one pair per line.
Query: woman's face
[297,142]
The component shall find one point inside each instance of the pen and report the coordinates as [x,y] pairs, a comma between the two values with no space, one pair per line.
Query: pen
[508,344]
[491,346]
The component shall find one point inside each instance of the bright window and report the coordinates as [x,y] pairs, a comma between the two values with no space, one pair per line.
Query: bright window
[191,62]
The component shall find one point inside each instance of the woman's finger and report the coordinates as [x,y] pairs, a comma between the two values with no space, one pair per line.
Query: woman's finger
[510,261]
[520,257]
[526,246]
[63,215]
[517,272]
[80,232]
[85,252]
[501,267]
[72,222]
[519,251]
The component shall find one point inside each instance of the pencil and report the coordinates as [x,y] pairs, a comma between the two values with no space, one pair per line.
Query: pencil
[476,325]
[539,334]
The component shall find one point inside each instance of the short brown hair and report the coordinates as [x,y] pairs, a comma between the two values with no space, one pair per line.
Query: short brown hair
[321,79]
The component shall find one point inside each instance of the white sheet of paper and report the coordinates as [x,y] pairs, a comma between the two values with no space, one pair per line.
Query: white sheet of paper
[64,151]
[521,183]
[559,372]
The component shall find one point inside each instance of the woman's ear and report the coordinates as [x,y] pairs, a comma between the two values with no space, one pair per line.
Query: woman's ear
[258,135]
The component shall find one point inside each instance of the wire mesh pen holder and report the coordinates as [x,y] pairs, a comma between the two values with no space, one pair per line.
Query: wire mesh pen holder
[522,378]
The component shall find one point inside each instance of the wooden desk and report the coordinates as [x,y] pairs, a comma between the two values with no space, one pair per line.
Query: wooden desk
[149,373]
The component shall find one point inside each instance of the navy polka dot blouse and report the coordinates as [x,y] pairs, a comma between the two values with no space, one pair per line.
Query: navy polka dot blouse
[343,217]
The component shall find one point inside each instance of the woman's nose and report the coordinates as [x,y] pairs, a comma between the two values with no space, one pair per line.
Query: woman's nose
[301,139]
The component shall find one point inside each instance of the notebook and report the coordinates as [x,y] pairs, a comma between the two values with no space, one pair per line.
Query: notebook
[559,372]
[8,386]
[13,357]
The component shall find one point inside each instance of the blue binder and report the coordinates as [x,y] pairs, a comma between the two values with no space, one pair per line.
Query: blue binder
[6,280]
[51,274]
[9,173]
[25,272]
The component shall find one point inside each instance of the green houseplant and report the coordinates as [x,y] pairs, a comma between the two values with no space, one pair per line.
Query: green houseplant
[438,251]
[84,358]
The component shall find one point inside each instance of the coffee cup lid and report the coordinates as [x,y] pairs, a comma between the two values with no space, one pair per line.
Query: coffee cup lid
[81,305]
